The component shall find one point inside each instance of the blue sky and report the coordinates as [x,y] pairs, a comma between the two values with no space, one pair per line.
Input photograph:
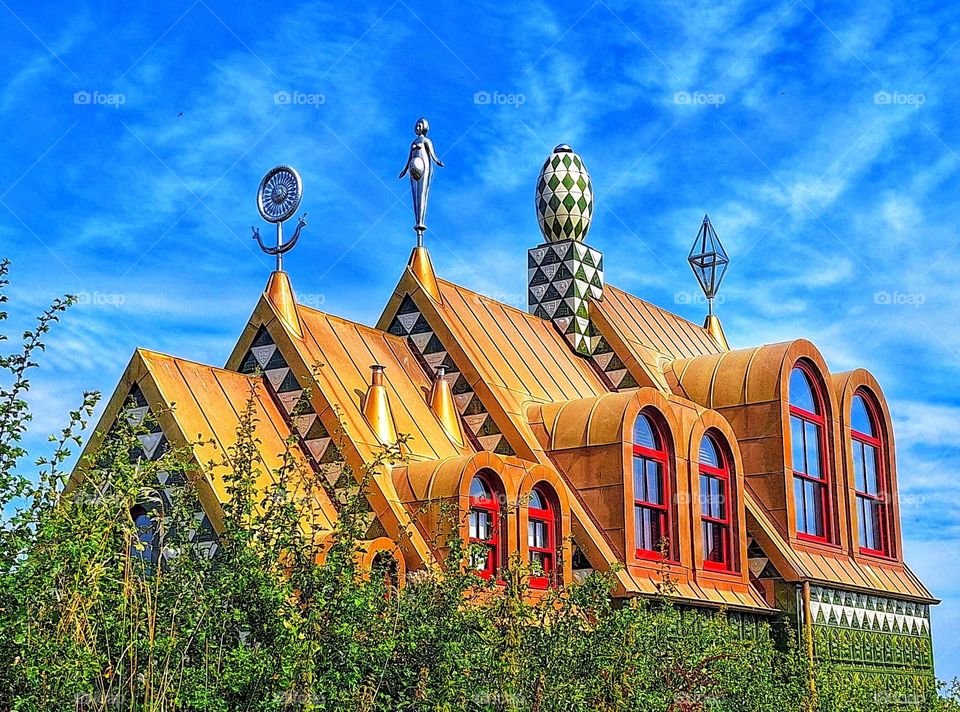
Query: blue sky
[820,137]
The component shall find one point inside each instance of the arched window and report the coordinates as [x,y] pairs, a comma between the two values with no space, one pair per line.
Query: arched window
[810,482]
[542,537]
[146,549]
[871,486]
[651,494]
[485,525]
[716,493]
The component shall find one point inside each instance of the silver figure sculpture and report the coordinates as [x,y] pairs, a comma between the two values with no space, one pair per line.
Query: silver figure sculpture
[420,167]
[278,198]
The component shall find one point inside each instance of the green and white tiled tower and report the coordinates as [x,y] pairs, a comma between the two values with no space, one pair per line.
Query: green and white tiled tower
[564,273]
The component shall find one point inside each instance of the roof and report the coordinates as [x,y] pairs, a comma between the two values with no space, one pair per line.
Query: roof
[343,352]
[200,407]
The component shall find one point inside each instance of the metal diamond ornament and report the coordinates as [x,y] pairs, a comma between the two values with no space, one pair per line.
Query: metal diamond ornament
[708,260]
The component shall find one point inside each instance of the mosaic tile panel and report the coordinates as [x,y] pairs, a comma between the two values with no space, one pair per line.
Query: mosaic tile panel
[564,198]
[153,445]
[561,278]
[871,634]
[264,357]
[410,323]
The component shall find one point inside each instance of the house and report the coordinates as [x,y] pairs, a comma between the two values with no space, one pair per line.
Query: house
[595,431]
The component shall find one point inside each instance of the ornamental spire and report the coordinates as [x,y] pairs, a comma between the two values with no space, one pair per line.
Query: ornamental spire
[709,263]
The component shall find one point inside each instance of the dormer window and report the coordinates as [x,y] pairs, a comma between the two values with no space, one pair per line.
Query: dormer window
[870,481]
[542,537]
[484,526]
[715,510]
[810,480]
[651,495]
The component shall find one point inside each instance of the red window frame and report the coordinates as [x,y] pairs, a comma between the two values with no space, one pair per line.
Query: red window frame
[823,482]
[662,510]
[880,498]
[548,553]
[725,522]
[491,507]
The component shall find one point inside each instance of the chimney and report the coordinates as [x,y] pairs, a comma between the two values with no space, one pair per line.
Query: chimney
[563,273]
[441,403]
[376,408]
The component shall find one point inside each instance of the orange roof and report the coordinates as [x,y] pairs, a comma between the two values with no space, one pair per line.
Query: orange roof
[200,407]
[842,569]
[345,351]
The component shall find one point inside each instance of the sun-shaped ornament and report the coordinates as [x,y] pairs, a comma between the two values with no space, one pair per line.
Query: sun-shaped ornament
[279,195]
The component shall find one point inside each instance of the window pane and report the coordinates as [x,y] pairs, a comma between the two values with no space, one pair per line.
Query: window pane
[858,469]
[656,529]
[717,498]
[801,392]
[813,496]
[639,481]
[812,439]
[799,505]
[796,444]
[654,482]
[479,489]
[537,535]
[863,522]
[860,419]
[705,495]
[481,524]
[709,455]
[713,543]
[870,463]
[537,501]
[643,433]
[643,533]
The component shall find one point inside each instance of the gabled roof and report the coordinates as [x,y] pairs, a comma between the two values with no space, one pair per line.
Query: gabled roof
[200,408]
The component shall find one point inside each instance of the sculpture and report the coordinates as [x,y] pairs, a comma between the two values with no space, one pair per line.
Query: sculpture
[420,167]
[278,198]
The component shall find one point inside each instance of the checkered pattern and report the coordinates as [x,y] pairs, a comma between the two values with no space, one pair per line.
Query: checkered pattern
[410,323]
[562,276]
[564,196]
[264,357]
[153,445]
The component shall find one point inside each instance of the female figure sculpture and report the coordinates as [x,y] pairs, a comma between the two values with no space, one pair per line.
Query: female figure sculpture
[420,167]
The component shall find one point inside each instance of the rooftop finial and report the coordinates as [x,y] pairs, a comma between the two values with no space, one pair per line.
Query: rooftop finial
[564,196]
[709,262]
[420,167]
[278,199]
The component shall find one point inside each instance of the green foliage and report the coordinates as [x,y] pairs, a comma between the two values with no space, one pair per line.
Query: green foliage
[87,622]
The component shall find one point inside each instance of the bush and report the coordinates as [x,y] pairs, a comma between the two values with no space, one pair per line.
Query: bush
[88,622]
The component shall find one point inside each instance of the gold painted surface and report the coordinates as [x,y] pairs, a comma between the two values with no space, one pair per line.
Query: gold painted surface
[280,293]
[422,269]
[376,409]
[199,407]
[715,329]
[442,405]
[342,353]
